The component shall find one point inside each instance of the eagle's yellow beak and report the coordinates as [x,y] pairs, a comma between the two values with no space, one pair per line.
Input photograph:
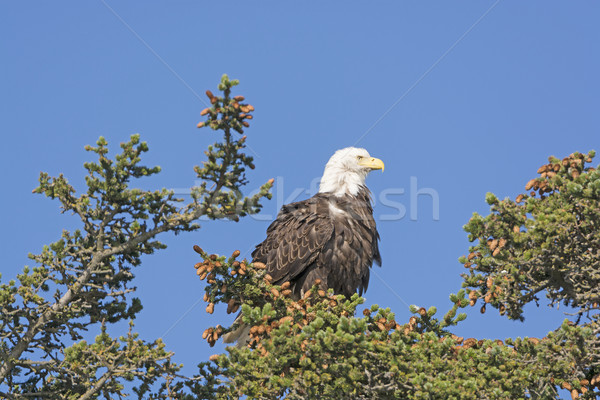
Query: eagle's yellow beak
[371,162]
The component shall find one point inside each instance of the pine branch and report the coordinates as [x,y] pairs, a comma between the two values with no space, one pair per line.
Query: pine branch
[88,267]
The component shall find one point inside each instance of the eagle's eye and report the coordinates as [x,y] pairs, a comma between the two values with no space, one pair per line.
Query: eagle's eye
[359,158]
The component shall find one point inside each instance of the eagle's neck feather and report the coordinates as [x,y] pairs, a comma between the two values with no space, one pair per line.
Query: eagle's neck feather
[341,181]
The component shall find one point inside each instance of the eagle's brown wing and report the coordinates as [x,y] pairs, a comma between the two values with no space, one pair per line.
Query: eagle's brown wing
[295,238]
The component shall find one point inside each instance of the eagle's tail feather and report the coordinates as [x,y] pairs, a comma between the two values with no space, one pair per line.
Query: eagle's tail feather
[241,334]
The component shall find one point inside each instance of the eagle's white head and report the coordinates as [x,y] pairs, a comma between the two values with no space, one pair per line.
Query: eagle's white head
[346,171]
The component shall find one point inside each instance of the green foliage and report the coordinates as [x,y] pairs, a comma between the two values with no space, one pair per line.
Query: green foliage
[316,347]
[225,165]
[83,362]
[83,280]
[546,243]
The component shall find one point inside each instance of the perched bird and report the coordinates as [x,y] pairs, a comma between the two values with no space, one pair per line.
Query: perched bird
[331,236]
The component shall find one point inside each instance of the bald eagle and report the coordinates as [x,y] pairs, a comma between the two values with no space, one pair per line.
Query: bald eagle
[331,236]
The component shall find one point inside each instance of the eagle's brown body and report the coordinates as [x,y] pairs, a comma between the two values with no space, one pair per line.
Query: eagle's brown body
[327,237]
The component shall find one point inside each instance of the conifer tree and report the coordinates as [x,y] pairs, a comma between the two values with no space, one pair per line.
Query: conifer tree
[84,280]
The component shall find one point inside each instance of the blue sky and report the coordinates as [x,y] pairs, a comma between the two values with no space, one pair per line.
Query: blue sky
[463,98]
